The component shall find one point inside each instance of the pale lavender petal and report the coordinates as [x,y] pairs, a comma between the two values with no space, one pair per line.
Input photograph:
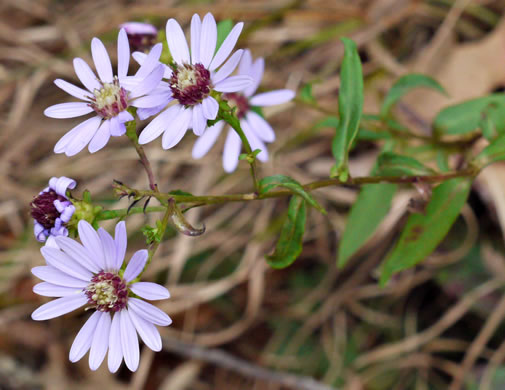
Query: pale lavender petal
[114,127]
[141,58]
[176,130]
[232,147]
[149,101]
[67,110]
[196,27]
[208,39]
[177,42]
[135,265]
[149,312]
[82,138]
[61,184]
[109,249]
[139,28]
[207,140]
[91,241]
[129,341]
[159,124]
[100,138]
[244,68]
[124,116]
[147,331]
[272,98]
[101,60]
[59,307]
[233,84]
[86,75]
[256,72]
[144,113]
[78,253]
[55,276]
[100,341]
[149,83]
[115,351]
[120,240]
[90,125]
[260,126]
[226,48]
[150,291]
[59,260]
[199,121]
[53,290]
[71,89]
[50,241]
[123,53]
[228,67]
[82,341]
[210,107]
[255,142]
[149,61]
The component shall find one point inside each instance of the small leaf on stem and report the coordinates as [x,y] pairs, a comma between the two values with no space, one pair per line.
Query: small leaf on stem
[350,108]
[290,242]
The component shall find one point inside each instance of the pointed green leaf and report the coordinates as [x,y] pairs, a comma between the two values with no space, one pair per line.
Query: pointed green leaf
[306,93]
[404,85]
[495,151]
[423,232]
[290,242]
[350,107]
[270,182]
[371,206]
[392,164]
[466,117]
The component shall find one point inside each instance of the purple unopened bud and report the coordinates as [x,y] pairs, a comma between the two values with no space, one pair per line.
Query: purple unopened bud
[51,209]
[142,36]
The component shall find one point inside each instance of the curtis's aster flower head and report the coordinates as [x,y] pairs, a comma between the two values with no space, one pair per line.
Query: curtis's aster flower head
[91,274]
[51,209]
[256,129]
[108,96]
[193,79]
[141,36]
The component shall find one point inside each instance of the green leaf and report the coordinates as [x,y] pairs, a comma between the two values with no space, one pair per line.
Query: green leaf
[423,232]
[443,161]
[290,242]
[306,93]
[270,182]
[371,206]
[495,151]
[392,164]
[404,85]
[487,126]
[350,107]
[224,27]
[466,117]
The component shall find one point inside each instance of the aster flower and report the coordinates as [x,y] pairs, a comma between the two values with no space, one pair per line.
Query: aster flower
[51,210]
[141,36]
[256,129]
[91,275]
[108,96]
[192,80]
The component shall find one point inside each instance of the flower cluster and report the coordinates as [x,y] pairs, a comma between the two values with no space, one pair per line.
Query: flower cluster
[90,274]
[199,80]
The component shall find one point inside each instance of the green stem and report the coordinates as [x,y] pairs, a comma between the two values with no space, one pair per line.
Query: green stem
[227,115]
[131,133]
[216,199]
[120,213]
[154,246]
